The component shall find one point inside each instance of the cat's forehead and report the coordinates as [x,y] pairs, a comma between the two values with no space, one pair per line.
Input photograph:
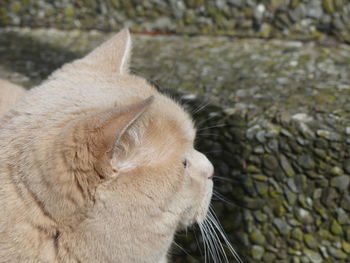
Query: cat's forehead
[175,112]
[133,87]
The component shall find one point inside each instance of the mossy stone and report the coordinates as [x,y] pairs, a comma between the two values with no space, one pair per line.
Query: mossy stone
[279,210]
[328,6]
[257,238]
[313,256]
[337,253]
[257,252]
[69,12]
[297,234]
[347,233]
[310,241]
[346,246]
[341,182]
[269,257]
[336,228]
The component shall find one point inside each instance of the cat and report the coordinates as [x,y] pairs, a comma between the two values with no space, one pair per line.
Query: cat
[9,95]
[97,166]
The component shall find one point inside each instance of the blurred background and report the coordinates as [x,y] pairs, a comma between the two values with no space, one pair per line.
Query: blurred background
[268,83]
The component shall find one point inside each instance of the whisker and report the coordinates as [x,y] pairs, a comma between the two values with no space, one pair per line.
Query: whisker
[197,242]
[213,218]
[208,152]
[217,239]
[207,134]
[222,199]
[211,127]
[212,247]
[201,107]
[205,120]
[181,248]
[222,178]
[205,244]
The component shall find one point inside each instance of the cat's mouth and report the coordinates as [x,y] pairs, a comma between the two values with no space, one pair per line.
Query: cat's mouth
[205,203]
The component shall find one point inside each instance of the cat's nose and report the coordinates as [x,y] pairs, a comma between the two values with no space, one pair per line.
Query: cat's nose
[204,166]
[208,168]
[211,176]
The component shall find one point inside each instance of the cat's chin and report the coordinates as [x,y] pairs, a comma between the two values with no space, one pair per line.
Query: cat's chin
[200,214]
[205,204]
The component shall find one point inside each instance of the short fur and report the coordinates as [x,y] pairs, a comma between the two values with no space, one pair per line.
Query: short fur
[97,166]
[9,95]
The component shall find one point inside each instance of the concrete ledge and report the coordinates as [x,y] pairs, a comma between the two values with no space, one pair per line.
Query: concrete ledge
[277,128]
[292,19]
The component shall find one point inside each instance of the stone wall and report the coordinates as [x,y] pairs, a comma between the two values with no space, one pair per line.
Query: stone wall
[293,19]
[273,116]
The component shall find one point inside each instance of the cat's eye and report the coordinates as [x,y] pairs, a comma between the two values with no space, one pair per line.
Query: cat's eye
[185,163]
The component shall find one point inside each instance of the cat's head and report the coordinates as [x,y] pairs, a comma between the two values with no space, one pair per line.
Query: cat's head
[119,145]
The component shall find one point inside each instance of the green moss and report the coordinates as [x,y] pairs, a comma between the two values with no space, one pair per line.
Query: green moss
[69,12]
[257,238]
[279,210]
[16,7]
[297,234]
[346,246]
[336,228]
[310,241]
[328,6]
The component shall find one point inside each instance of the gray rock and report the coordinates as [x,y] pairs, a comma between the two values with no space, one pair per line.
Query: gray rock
[313,256]
[260,216]
[320,153]
[251,132]
[342,216]
[321,143]
[302,117]
[331,136]
[329,196]
[260,136]
[303,216]
[341,182]
[337,253]
[178,8]
[306,162]
[336,171]
[305,130]
[262,188]
[347,165]
[286,133]
[270,162]
[345,203]
[257,238]
[291,185]
[238,3]
[324,252]
[286,166]
[259,11]
[273,145]
[347,130]
[269,257]
[257,252]
[291,197]
[282,226]
[259,150]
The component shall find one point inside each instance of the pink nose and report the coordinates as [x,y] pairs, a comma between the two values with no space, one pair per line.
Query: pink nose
[211,176]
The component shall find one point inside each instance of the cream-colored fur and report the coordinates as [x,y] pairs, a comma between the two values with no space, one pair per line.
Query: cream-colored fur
[97,166]
[9,95]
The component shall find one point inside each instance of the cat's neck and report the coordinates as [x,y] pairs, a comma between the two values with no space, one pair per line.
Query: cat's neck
[132,241]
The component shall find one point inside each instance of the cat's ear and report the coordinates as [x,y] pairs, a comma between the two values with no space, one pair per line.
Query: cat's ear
[112,56]
[89,142]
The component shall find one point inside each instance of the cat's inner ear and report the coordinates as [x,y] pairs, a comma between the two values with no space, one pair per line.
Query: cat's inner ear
[89,142]
[112,56]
